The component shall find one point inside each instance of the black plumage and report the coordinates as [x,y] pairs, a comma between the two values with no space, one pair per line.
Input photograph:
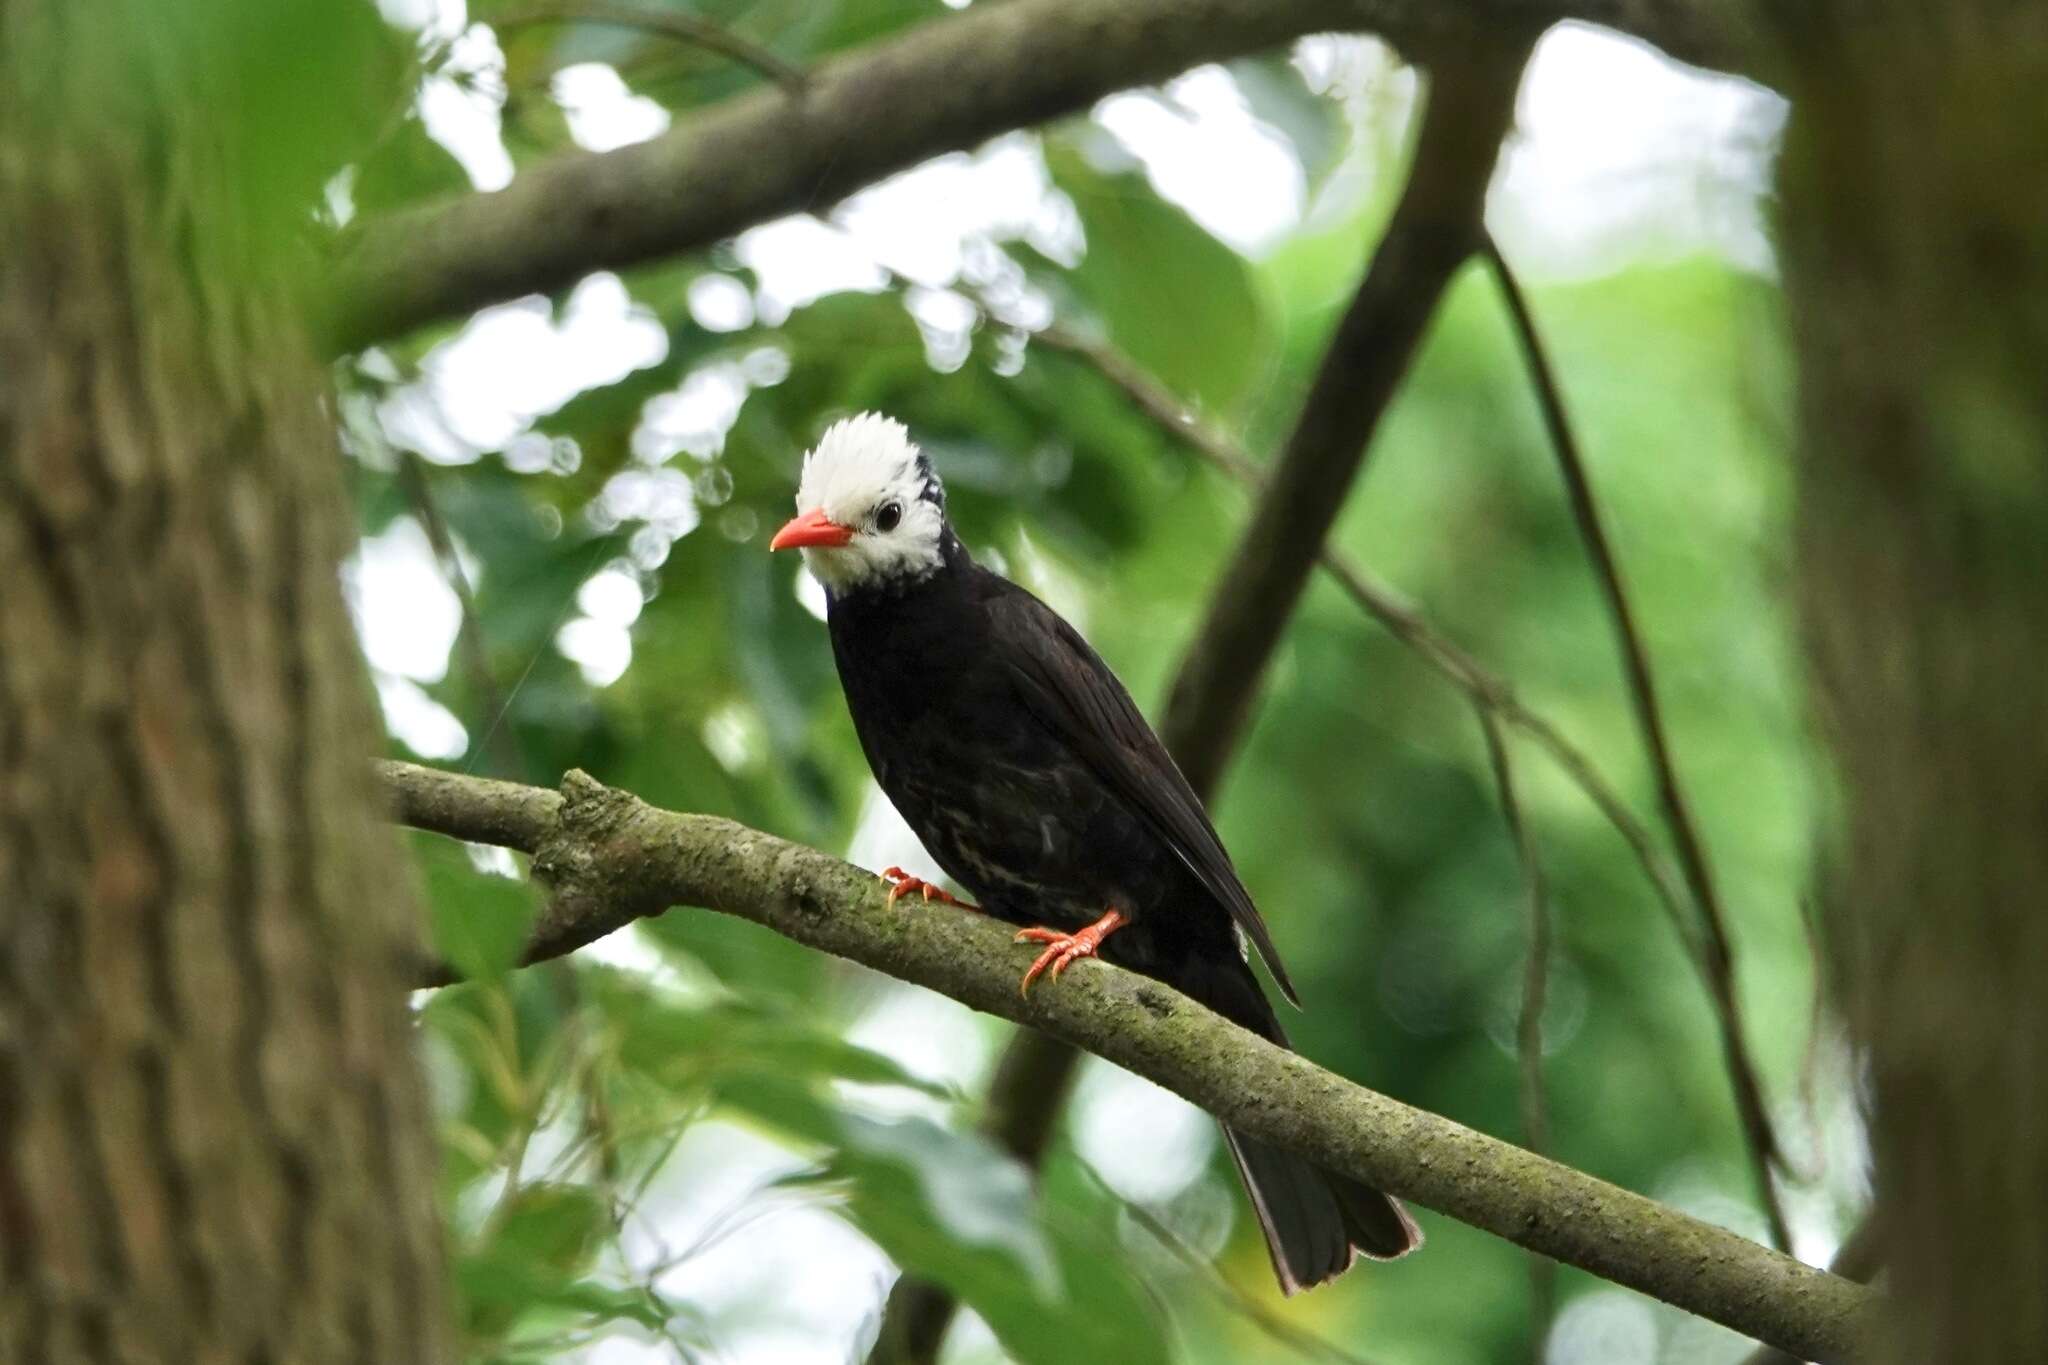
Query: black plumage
[1022,764]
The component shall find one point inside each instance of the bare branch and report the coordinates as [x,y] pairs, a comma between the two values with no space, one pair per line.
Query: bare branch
[608,859]
[678,24]
[469,635]
[1717,958]
[916,1316]
[1434,229]
[944,85]
[478,809]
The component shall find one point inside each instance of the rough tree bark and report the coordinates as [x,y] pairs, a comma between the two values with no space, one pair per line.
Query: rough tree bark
[1916,267]
[213,1142]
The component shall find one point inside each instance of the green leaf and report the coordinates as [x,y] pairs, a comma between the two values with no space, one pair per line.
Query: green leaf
[554,1226]
[1181,303]
[498,1291]
[282,145]
[498,1038]
[856,23]
[682,76]
[532,1261]
[533,125]
[479,921]
[1314,125]
[406,167]
[953,1208]
[671,1040]
[1087,1224]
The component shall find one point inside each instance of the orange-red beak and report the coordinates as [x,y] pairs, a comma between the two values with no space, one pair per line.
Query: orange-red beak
[812,528]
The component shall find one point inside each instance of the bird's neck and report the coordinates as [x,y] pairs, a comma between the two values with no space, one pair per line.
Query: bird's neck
[885,594]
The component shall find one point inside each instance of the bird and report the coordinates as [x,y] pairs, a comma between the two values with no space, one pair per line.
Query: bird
[1031,777]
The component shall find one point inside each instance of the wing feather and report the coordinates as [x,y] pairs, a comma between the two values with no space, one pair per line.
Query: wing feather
[1065,683]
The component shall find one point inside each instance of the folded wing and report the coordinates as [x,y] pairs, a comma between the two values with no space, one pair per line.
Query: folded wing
[1068,687]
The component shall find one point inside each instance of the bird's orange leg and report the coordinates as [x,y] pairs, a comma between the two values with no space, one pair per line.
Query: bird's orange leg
[901,882]
[1063,948]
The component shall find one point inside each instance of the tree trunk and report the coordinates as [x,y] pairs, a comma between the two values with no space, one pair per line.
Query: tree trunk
[213,1141]
[1916,263]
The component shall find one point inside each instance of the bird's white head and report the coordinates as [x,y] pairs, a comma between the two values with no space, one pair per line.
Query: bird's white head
[870,511]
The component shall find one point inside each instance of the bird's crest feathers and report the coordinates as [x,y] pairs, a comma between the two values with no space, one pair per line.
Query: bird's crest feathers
[866,473]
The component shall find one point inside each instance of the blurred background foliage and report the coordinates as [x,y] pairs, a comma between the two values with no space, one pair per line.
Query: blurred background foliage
[700,1142]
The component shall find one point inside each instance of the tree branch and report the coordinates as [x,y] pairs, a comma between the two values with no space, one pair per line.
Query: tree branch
[1716,959]
[608,859]
[1435,227]
[1860,1258]
[943,85]
[680,25]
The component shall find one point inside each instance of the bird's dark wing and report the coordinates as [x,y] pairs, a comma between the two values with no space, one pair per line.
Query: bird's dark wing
[1067,686]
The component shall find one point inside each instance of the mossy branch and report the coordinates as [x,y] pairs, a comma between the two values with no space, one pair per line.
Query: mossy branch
[608,858]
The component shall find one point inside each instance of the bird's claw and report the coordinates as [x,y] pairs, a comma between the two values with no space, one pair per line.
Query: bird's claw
[900,882]
[1063,948]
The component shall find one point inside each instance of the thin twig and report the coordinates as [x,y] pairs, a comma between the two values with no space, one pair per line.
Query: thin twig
[496,739]
[601,1137]
[532,1108]
[680,25]
[1718,959]
[1535,990]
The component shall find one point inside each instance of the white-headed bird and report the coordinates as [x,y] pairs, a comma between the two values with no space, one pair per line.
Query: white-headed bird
[1024,766]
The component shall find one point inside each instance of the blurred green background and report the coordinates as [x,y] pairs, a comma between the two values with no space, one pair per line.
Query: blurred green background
[697,1141]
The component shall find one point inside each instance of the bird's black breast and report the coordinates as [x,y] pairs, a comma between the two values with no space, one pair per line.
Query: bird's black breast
[1003,803]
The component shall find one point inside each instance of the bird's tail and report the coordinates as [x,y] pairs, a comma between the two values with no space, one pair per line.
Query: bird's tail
[1317,1223]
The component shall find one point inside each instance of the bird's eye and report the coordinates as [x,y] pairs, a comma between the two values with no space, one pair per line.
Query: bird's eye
[886,518]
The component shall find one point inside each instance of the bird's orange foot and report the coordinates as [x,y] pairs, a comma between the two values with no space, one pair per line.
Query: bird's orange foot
[901,882]
[1063,948]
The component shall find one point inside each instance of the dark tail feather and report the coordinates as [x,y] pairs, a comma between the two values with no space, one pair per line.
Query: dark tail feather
[1317,1223]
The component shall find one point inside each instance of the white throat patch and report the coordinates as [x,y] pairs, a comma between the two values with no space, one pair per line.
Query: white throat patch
[867,474]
